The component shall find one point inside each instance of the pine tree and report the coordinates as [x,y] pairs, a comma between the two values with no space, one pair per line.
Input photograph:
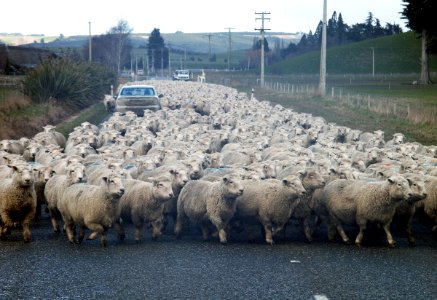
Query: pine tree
[420,15]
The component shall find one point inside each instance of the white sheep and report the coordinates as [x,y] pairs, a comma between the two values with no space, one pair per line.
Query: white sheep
[91,206]
[268,202]
[203,202]
[17,201]
[360,202]
[143,202]
[55,187]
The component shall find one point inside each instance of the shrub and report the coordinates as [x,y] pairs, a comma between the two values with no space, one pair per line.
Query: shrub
[76,84]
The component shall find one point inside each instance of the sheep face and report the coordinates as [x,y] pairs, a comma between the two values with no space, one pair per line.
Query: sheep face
[114,185]
[23,174]
[180,177]
[162,189]
[232,187]
[76,173]
[294,184]
[312,179]
[399,188]
[418,190]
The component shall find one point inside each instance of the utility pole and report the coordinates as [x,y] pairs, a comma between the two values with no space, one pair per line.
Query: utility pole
[322,83]
[230,48]
[262,30]
[89,42]
[209,44]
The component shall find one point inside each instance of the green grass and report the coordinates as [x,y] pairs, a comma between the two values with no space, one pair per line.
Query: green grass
[95,115]
[393,54]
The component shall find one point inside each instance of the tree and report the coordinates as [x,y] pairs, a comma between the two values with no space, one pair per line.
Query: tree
[120,33]
[420,15]
[111,49]
[341,30]
[157,53]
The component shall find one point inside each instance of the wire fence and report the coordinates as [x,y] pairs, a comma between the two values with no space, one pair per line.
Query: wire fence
[386,106]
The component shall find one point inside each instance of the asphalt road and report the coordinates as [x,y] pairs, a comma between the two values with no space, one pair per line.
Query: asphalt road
[51,268]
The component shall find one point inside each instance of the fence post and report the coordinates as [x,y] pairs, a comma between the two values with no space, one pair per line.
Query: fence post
[332,92]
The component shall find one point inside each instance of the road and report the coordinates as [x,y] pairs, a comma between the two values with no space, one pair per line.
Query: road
[51,268]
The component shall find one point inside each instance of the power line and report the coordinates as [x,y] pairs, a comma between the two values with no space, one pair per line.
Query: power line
[262,30]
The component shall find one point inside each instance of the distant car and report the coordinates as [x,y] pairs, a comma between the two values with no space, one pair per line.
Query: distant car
[181,75]
[137,98]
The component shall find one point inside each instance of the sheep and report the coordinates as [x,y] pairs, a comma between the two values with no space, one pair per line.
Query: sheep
[42,174]
[55,188]
[269,202]
[203,202]
[91,206]
[17,201]
[406,209]
[360,202]
[12,146]
[398,138]
[109,103]
[311,180]
[430,202]
[144,202]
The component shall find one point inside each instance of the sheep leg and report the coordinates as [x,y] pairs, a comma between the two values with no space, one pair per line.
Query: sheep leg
[157,227]
[178,225]
[359,238]
[70,232]
[390,240]
[138,235]
[205,232]
[409,229]
[26,231]
[269,234]
[81,233]
[96,230]
[54,215]
[120,230]
[307,229]
[343,234]
[219,224]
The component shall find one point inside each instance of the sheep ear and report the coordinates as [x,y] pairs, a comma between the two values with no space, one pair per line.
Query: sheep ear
[225,179]
[105,179]
[410,182]
[284,181]
[173,171]
[391,179]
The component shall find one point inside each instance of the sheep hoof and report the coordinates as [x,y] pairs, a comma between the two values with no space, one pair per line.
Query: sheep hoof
[349,242]
[358,244]
[270,242]
[392,244]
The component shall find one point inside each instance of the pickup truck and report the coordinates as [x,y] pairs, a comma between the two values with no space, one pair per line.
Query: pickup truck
[137,98]
[181,75]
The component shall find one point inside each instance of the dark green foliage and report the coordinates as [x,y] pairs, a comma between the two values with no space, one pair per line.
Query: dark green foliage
[157,52]
[74,84]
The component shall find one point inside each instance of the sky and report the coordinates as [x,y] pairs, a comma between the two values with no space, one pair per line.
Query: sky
[76,17]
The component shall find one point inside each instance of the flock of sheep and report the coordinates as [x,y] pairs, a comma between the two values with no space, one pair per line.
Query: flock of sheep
[215,158]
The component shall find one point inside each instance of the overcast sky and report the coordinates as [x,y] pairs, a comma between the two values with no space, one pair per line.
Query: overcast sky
[72,17]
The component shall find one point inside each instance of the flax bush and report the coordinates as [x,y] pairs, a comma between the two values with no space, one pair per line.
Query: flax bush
[74,84]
